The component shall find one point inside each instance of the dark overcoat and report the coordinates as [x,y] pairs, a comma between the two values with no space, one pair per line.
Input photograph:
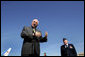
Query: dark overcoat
[31,44]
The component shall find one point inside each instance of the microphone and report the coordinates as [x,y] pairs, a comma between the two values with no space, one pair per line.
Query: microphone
[34,32]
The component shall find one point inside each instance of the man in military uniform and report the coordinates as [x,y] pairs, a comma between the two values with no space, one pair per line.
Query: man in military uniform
[68,49]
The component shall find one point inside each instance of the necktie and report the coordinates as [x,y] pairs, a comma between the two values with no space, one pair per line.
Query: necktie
[66,46]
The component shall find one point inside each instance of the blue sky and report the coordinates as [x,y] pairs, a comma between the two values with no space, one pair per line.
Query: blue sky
[59,18]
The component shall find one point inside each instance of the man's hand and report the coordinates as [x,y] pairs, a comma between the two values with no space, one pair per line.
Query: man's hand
[37,34]
[46,34]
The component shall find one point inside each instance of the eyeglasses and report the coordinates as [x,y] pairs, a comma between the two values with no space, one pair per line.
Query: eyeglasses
[35,21]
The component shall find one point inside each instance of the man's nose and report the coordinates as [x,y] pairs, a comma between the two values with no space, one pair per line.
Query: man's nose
[34,23]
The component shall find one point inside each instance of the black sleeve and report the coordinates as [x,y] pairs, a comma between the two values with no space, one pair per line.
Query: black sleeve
[25,34]
[42,39]
[61,51]
[74,50]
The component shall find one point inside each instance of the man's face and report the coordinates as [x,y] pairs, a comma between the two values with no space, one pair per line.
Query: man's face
[35,23]
[65,42]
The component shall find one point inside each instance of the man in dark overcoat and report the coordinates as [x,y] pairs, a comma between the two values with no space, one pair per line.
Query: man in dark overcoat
[32,38]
